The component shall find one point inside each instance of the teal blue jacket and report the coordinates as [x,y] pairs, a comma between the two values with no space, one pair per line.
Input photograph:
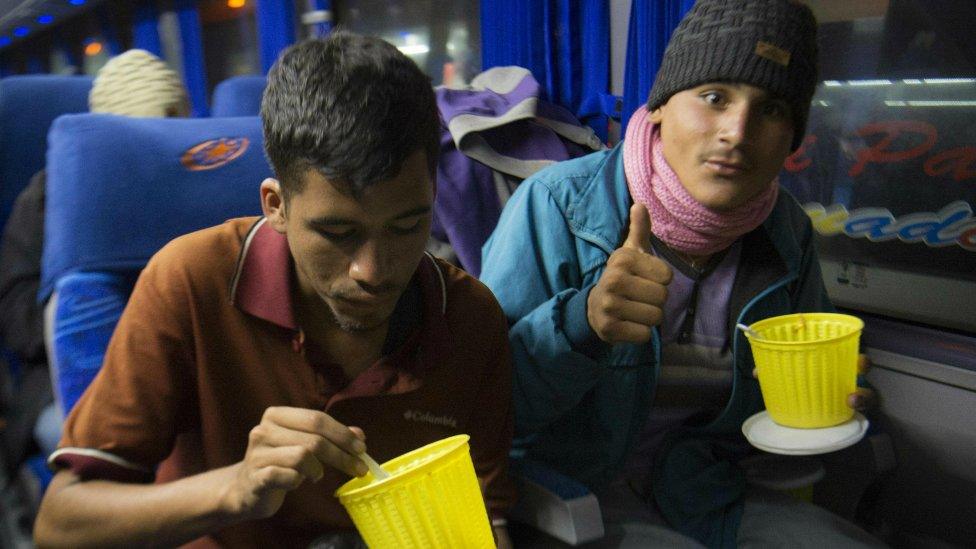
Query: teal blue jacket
[580,407]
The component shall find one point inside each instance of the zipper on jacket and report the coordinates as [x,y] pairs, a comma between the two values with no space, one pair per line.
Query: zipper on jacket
[736,334]
[641,421]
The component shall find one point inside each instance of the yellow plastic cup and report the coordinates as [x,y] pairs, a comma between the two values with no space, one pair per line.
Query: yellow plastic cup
[432,499]
[807,365]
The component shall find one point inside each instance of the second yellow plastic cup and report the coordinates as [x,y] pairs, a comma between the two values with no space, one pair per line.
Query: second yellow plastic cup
[431,500]
[807,365]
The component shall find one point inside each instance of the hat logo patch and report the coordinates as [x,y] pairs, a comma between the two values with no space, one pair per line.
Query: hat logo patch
[773,53]
[213,153]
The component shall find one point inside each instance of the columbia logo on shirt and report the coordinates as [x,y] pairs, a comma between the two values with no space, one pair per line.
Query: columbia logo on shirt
[427,417]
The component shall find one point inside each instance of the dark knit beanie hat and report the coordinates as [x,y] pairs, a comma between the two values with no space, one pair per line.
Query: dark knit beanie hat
[770,44]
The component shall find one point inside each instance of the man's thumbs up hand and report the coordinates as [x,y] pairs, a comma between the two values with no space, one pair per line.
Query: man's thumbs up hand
[639,234]
[629,298]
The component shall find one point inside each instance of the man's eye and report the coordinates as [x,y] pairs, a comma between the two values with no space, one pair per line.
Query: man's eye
[338,236]
[412,227]
[713,98]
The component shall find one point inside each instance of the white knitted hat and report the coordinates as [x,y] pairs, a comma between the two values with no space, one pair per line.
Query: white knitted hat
[137,83]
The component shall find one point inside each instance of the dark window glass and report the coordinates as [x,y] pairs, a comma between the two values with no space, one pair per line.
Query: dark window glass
[888,167]
[442,36]
[170,40]
[230,45]
[96,54]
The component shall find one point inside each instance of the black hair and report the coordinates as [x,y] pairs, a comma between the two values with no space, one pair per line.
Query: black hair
[351,107]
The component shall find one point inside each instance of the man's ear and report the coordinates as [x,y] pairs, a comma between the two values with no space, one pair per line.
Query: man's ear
[656,115]
[273,204]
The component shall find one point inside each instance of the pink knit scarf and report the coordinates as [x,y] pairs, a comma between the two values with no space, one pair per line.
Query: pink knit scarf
[679,220]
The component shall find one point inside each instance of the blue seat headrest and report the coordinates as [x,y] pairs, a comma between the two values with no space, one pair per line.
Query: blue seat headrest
[239,96]
[28,105]
[120,188]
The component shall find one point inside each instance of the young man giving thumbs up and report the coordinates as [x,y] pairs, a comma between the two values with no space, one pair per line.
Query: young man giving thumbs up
[624,273]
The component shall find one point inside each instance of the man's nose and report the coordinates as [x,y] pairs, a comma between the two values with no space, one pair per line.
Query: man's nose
[370,265]
[737,124]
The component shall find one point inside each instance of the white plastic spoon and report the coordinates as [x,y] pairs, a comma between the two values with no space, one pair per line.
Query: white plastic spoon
[752,333]
[378,472]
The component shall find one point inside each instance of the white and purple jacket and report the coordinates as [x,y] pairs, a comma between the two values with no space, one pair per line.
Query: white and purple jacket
[499,131]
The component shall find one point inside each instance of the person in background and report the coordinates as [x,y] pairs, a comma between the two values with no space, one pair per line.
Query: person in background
[624,273]
[256,361]
[134,83]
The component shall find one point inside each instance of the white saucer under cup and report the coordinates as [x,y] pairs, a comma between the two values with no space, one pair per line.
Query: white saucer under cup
[764,433]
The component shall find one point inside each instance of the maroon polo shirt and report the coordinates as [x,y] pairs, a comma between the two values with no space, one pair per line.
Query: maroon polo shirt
[209,340]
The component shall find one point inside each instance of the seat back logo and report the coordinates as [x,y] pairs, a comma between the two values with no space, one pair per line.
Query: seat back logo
[213,153]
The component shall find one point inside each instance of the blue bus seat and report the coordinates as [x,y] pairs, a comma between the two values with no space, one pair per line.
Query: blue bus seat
[238,96]
[84,310]
[119,189]
[28,105]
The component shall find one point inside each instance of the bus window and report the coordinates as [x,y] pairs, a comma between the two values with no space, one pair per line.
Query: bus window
[169,39]
[886,169]
[442,36]
[230,45]
[96,54]
[60,62]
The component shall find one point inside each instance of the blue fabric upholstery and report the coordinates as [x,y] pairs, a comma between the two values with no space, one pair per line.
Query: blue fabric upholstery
[28,105]
[119,189]
[239,96]
[86,310]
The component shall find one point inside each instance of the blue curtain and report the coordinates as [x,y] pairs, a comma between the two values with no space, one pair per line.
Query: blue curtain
[276,29]
[145,31]
[191,36]
[564,43]
[651,23]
